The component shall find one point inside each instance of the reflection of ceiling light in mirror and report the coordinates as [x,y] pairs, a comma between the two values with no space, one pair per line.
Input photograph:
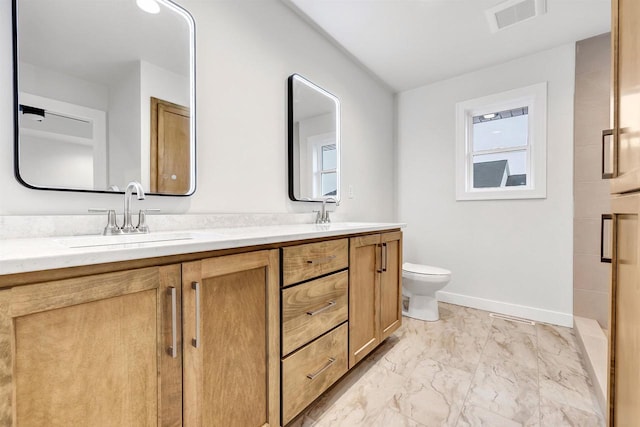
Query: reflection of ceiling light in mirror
[489,116]
[149,6]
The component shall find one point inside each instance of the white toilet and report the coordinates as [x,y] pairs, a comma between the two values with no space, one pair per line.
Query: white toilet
[419,286]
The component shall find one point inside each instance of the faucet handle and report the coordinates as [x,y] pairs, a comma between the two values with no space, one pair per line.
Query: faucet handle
[142,220]
[111,227]
[318,217]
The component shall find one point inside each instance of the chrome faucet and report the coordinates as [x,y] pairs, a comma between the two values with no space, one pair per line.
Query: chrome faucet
[127,227]
[323,215]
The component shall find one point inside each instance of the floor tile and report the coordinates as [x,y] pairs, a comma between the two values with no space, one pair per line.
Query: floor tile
[554,414]
[364,401]
[512,345]
[507,388]
[434,395]
[467,369]
[473,416]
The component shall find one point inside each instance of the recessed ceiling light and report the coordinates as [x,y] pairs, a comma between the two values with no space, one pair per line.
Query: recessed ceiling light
[149,6]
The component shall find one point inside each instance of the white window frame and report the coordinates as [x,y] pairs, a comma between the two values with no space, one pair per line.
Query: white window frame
[316,143]
[535,98]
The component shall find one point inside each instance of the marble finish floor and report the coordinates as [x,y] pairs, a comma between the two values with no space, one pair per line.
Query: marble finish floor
[468,369]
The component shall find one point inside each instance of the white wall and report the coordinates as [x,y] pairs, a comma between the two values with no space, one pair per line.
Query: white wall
[509,256]
[245,52]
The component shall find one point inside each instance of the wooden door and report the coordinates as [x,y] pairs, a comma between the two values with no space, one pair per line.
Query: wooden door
[364,296]
[92,351]
[391,284]
[626,92]
[170,148]
[231,346]
[624,374]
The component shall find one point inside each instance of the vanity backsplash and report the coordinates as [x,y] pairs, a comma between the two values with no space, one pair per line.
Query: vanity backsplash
[16,227]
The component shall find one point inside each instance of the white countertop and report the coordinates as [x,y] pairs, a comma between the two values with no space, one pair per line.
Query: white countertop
[35,254]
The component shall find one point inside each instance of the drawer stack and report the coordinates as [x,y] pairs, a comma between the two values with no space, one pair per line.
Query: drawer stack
[314,317]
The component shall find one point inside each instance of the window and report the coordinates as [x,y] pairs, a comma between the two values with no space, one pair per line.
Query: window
[327,170]
[323,159]
[501,145]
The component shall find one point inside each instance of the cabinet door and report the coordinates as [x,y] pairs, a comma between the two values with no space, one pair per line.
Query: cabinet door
[364,296]
[624,390]
[391,284]
[91,351]
[626,80]
[231,343]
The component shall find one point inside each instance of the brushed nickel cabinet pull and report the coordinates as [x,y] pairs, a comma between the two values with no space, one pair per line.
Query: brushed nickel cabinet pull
[384,257]
[173,350]
[196,341]
[324,368]
[605,174]
[603,218]
[320,310]
[321,260]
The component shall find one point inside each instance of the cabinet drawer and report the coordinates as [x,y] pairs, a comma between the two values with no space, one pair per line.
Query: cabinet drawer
[313,369]
[305,262]
[311,309]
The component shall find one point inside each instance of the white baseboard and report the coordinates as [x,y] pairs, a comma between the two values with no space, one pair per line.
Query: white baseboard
[523,311]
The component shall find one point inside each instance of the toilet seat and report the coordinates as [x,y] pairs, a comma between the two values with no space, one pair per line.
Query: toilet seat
[424,270]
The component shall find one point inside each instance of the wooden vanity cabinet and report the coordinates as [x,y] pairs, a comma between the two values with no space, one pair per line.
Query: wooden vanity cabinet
[624,335]
[314,321]
[626,106]
[197,343]
[375,291]
[231,340]
[91,351]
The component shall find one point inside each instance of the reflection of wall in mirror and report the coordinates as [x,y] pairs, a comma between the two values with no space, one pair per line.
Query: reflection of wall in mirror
[130,112]
[65,150]
[126,101]
[308,132]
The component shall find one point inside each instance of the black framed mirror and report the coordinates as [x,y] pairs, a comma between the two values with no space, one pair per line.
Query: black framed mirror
[104,94]
[314,142]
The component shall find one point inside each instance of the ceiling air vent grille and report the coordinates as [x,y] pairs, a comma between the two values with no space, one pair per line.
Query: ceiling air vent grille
[511,12]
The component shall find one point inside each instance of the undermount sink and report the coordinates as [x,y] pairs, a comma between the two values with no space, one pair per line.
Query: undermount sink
[95,241]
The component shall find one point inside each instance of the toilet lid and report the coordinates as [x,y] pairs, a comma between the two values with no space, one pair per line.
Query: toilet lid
[424,269]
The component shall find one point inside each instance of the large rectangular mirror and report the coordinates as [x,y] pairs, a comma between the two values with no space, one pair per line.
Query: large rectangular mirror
[104,95]
[314,142]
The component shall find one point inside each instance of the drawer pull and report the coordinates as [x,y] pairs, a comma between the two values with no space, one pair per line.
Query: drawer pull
[321,260]
[196,341]
[320,310]
[384,257]
[605,237]
[173,349]
[607,174]
[331,361]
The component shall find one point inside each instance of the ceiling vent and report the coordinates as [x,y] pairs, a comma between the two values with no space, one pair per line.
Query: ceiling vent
[511,12]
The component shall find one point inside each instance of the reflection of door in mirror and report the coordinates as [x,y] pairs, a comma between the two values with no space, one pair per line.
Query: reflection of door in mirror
[170,147]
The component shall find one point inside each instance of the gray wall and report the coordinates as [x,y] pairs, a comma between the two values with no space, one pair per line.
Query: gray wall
[591,194]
